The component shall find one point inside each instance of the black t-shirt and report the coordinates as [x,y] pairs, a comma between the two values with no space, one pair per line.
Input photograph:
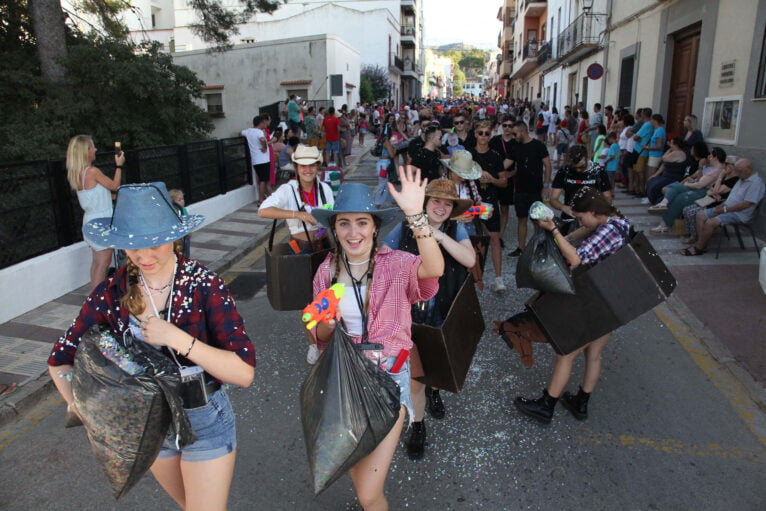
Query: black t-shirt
[415,144]
[570,180]
[469,142]
[492,162]
[529,165]
[504,147]
[429,163]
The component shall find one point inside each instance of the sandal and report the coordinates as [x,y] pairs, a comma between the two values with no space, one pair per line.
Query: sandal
[660,229]
[692,251]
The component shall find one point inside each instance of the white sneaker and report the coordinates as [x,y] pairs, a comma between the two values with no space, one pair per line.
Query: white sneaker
[313,355]
[645,200]
[499,284]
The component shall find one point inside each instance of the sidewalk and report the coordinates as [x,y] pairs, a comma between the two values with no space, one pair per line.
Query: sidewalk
[26,340]
[720,300]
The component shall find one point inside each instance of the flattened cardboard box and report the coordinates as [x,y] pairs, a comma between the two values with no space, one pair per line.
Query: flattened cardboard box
[608,295]
[446,353]
[290,276]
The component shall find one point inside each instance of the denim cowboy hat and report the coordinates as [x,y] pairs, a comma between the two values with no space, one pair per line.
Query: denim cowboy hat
[354,198]
[143,217]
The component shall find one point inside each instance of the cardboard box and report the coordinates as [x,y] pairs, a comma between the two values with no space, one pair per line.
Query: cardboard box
[290,277]
[608,295]
[446,352]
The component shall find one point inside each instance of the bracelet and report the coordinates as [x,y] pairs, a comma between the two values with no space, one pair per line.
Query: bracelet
[186,355]
[555,230]
[415,215]
[118,168]
[429,234]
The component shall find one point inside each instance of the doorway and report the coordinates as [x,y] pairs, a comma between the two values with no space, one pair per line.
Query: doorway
[685,54]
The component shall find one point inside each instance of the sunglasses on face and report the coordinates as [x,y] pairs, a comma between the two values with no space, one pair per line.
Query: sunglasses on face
[484,133]
[459,122]
[507,125]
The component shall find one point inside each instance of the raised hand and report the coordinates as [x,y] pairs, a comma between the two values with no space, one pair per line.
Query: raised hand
[412,196]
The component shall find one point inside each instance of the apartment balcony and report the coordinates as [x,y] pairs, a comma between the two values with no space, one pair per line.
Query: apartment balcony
[411,70]
[409,6]
[534,8]
[528,61]
[395,64]
[581,37]
[545,56]
[409,36]
[504,71]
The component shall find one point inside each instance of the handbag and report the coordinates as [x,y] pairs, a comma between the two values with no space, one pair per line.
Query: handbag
[705,201]
[289,276]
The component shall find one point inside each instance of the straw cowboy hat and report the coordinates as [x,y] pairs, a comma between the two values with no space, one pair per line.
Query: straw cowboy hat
[143,217]
[463,165]
[353,198]
[446,189]
[306,155]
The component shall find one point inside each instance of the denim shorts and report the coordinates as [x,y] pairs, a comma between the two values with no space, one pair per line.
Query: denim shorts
[213,424]
[402,378]
[332,147]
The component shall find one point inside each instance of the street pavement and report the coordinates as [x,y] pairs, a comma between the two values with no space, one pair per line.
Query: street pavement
[676,423]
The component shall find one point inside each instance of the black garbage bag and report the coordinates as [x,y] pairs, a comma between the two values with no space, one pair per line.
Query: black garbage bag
[541,266]
[126,393]
[348,406]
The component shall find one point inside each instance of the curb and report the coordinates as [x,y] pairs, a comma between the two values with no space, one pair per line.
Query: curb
[35,390]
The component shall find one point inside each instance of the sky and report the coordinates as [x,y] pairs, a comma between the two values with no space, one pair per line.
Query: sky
[470,21]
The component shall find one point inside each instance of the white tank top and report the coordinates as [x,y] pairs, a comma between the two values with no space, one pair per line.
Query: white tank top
[96,202]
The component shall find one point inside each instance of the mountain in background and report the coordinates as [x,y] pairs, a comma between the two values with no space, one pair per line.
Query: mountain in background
[453,46]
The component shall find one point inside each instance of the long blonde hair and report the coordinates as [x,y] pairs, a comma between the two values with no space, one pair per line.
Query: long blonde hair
[77,158]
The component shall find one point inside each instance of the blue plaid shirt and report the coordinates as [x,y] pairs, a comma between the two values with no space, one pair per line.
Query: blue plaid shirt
[606,240]
[202,307]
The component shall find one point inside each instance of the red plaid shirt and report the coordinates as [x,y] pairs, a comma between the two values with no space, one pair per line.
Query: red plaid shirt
[395,287]
[202,307]
[606,240]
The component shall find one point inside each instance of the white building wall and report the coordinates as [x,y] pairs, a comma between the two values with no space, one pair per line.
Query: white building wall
[251,75]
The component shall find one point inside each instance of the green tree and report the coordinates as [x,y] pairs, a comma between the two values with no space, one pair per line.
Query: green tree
[366,95]
[378,80]
[113,90]
[458,81]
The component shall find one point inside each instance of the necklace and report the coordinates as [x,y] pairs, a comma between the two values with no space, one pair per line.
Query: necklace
[155,290]
[360,263]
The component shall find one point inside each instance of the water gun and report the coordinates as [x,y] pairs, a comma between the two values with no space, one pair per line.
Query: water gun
[483,211]
[324,307]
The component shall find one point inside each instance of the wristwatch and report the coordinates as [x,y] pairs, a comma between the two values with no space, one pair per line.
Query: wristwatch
[725,209]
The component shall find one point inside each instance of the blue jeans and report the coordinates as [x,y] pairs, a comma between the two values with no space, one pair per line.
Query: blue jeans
[402,378]
[654,187]
[679,196]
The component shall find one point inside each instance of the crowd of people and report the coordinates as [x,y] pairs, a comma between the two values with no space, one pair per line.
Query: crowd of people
[437,161]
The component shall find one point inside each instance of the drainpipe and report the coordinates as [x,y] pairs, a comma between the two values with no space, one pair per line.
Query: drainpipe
[606,50]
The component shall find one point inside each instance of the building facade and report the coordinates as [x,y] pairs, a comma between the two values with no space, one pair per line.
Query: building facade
[250,76]
[387,33]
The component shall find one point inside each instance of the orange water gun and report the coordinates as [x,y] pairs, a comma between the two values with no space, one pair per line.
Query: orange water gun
[479,211]
[324,307]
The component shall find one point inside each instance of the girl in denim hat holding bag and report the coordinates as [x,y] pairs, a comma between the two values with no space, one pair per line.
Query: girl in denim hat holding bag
[183,309]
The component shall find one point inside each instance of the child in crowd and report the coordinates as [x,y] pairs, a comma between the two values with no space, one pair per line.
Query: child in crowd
[563,139]
[179,204]
[611,156]
[363,128]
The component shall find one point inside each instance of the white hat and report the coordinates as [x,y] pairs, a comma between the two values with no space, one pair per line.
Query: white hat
[306,155]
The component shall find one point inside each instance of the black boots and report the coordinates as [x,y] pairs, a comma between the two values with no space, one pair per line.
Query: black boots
[416,445]
[577,404]
[540,409]
[435,403]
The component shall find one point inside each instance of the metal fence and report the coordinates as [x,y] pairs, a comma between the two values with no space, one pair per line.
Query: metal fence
[40,213]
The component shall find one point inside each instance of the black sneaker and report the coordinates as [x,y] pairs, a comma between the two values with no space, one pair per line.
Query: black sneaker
[515,253]
[435,403]
[416,444]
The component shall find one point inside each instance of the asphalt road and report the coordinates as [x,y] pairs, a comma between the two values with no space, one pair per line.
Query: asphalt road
[661,435]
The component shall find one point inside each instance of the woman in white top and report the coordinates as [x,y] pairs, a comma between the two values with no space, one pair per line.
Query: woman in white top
[294,200]
[94,191]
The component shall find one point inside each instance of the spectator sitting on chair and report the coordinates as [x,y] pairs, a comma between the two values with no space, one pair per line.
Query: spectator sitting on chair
[285,157]
[738,208]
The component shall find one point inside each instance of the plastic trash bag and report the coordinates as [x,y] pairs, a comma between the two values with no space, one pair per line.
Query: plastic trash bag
[541,266]
[126,393]
[348,406]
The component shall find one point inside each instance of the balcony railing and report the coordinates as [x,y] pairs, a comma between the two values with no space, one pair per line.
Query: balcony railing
[395,62]
[544,53]
[584,31]
[408,30]
[530,49]
[411,66]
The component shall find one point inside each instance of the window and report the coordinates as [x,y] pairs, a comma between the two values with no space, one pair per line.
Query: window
[625,94]
[760,83]
[214,104]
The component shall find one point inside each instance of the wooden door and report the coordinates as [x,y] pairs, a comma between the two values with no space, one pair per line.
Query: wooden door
[685,54]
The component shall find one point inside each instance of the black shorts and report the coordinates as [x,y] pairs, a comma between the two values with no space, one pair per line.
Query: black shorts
[505,195]
[523,201]
[262,172]
[541,131]
[493,223]
[629,159]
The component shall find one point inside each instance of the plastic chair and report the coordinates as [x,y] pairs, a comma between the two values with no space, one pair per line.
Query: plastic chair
[750,226]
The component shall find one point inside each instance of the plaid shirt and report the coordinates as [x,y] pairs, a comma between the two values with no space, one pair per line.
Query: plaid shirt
[202,307]
[606,240]
[395,287]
